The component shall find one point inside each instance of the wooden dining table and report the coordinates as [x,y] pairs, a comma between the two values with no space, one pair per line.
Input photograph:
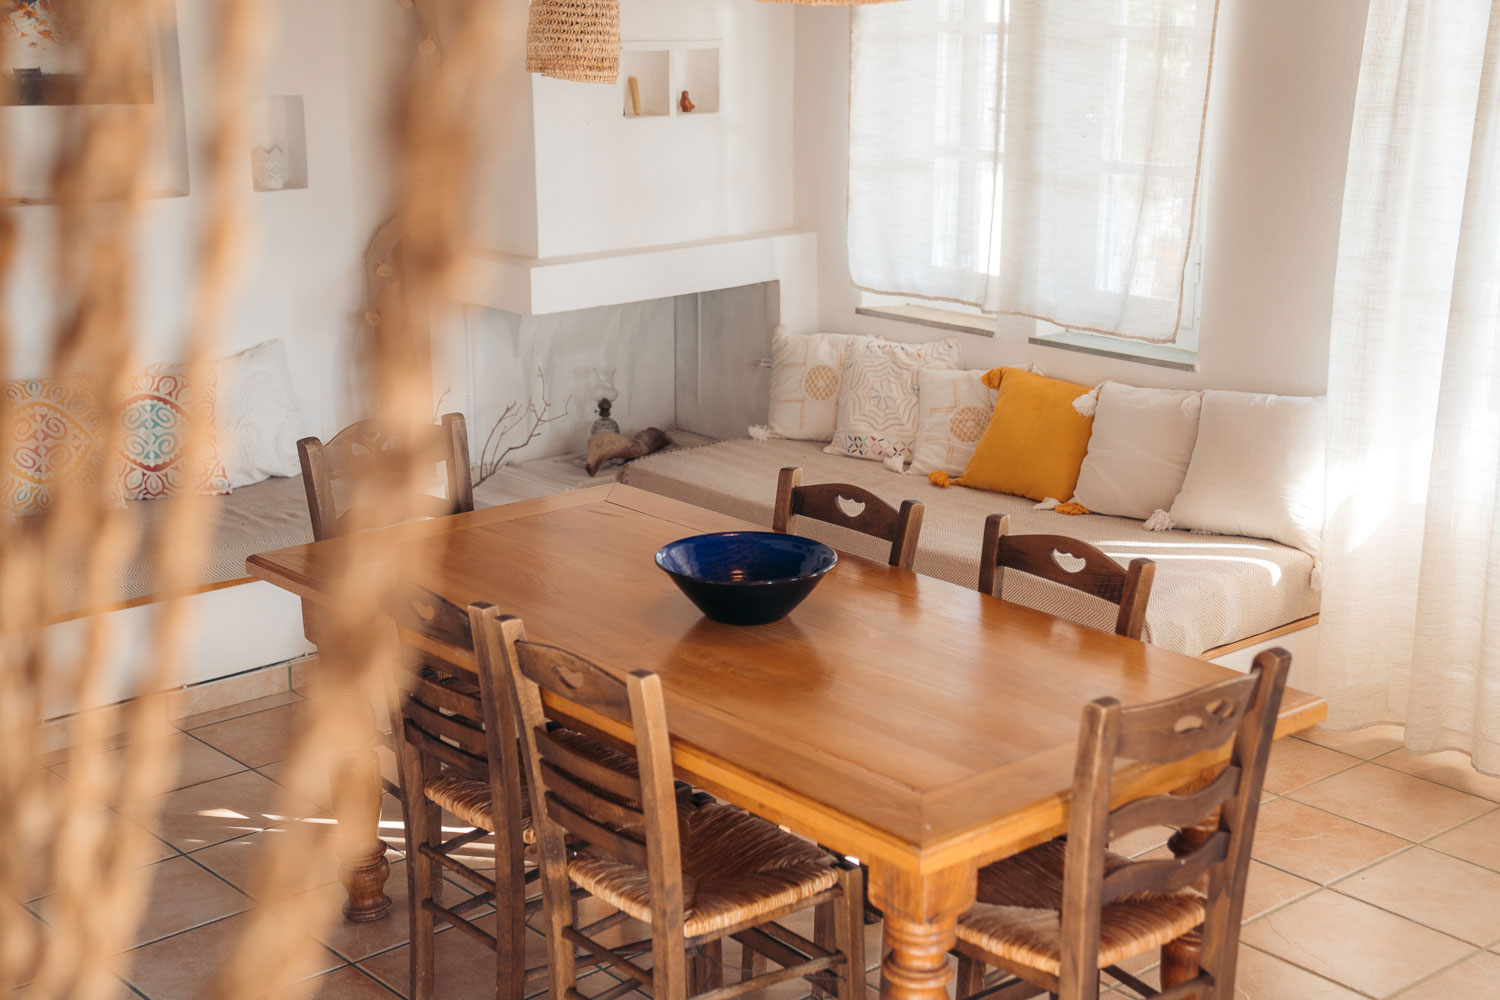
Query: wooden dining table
[925,728]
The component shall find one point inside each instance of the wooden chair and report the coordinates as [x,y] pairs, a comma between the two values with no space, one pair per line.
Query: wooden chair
[695,875]
[363,453]
[1056,915]
[457,750]
[824,502]
[1101,576]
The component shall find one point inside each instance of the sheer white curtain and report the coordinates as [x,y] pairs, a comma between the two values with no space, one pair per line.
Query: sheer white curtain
[1030,157]
[1411,557]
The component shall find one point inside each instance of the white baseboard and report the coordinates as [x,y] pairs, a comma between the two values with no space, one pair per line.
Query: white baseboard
[229,631]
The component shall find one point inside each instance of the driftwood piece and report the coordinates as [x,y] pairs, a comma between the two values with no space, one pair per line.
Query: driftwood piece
[606,445]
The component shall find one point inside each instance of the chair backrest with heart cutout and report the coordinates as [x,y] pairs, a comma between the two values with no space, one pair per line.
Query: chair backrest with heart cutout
[1238,710]
[1071,563]
[852,507]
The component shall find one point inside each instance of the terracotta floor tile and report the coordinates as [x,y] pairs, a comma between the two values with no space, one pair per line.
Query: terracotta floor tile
[347,983]
[185,966]
[39,875]
[1443,893]
[1388,800]
[190,761]
[181,896]
[1140,841]
[1260,976]
[226,808]
[1295,763]
[1449,768]
[1477,840]
[1317,845]
[1270,887]
[236,711]
[313,786]
[319,912]
[466,969]
[1476,978]
[254,740]
[1366,744]
[241,861]
[1353,943]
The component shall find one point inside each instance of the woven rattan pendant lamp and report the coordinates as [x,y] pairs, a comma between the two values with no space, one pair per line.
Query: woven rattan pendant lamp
[574,40]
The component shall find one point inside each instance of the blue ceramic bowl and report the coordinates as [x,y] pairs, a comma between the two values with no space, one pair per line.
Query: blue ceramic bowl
[746,577]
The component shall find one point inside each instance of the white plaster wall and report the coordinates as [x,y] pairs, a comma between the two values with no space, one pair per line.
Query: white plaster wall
[1280,110]
[300,277]
[607,182]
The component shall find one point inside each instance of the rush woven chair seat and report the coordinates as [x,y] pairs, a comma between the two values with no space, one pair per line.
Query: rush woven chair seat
[1018,913]
[735,867]
[828,502]
[1056,916]
[1087,569]
[695,876]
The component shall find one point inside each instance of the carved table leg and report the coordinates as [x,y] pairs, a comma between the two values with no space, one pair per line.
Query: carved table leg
[921,918]
[1180,957]
[363,868]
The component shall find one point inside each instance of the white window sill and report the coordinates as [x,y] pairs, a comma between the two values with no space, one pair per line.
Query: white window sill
[1160,355]
[933,316]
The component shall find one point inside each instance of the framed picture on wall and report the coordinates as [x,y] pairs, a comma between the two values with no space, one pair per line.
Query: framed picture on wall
[43,98]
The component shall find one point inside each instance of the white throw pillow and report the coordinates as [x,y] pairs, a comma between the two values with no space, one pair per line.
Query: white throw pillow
[1139,451]
[877,412]
[1257,469]
[954,408]
[257,418]
[805,372]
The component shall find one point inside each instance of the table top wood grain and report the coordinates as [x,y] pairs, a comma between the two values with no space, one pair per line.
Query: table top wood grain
[892,715]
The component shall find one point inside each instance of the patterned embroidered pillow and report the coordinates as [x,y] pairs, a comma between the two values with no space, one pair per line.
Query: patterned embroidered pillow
[159,407]
[56,441]
[805,371]
[954,408]
[878,393]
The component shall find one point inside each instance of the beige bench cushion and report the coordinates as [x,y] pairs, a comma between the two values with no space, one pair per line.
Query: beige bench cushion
[268,515]
[1210,589]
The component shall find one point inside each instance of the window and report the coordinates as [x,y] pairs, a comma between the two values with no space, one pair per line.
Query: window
[1031,158]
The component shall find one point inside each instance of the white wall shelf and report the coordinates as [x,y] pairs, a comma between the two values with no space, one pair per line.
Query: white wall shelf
[651,68]
[279,123]
[664,69]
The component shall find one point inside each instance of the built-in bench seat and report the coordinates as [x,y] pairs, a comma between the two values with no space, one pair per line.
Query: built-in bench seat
[237,624]
[268,515]
[1210,590]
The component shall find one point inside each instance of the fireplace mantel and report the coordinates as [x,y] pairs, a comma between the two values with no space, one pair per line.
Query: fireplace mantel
[537,286]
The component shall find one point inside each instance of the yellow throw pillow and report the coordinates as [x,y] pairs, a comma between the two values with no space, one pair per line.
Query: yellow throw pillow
[1035,442]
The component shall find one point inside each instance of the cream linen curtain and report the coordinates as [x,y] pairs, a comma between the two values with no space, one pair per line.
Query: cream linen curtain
[1411,607]
[1030,157]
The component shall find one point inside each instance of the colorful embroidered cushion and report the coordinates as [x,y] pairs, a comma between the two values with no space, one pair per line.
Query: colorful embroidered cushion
[877,414]
[56,440]
[158,410]
[1036,439]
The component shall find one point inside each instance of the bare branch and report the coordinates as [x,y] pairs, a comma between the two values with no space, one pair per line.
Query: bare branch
[534,416]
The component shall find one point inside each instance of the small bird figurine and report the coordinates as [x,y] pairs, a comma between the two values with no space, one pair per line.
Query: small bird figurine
[686,104]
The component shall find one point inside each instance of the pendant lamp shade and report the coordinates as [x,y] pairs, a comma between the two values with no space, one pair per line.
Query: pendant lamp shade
[574,40]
